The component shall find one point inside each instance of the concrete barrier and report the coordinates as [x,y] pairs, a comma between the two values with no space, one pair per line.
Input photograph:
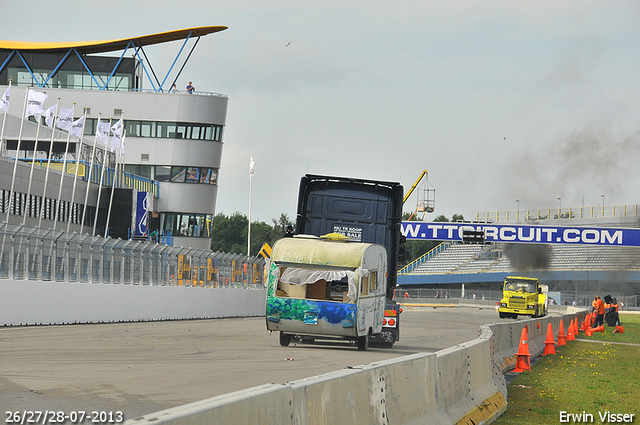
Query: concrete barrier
[269,404]
[27,302]
[463,384]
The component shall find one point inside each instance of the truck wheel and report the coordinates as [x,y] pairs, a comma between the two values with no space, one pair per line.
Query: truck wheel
[363,342]
[285,339]
[387,339]
[502,315]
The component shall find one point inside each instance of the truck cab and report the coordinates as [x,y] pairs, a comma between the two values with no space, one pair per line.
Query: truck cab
[368,211]
[523,296]
[326,288]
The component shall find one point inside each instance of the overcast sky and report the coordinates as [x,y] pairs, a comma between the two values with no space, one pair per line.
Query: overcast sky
[499,100]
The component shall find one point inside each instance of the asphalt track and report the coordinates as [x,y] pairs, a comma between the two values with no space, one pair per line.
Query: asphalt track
[140,368]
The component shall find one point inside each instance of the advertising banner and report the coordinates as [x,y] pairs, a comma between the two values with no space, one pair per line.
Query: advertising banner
[143,206]
[443,231]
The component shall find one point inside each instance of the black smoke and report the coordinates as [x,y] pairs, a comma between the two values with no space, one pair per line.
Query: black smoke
[525,257]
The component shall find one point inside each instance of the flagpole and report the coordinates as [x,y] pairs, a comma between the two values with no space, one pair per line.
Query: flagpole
[64,171]
[33,163]
[104,160]
[3,153]
[75,179]
[249,232]
[113,186]
[3,150]
[251,166]
[46,175]
[15,164]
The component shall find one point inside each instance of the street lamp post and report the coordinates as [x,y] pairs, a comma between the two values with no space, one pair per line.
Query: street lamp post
[602,196]
[559,207]
[518,215]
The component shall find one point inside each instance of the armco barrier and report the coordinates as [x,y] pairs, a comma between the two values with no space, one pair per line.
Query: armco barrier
[463,384]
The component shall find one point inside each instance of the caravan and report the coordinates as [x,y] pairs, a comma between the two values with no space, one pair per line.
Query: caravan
[326,287]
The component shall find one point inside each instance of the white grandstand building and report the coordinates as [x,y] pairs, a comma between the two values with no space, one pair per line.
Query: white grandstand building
[171,156]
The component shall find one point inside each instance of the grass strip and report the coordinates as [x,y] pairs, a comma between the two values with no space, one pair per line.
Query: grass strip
[590,380]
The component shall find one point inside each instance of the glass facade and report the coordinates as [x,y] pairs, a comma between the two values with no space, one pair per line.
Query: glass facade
[72,73]
[162,129]
[175,174]
[184,224]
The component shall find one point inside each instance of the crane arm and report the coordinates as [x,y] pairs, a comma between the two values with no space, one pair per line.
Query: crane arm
[424,173]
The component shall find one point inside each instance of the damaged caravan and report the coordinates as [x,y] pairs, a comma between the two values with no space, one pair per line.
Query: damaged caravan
[326,287]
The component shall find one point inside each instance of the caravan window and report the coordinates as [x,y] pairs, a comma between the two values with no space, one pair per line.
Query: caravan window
[374,281]
[318,284]
[364,285]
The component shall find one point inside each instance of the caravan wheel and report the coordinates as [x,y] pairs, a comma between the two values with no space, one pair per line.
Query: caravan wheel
[363,342]
[285,339]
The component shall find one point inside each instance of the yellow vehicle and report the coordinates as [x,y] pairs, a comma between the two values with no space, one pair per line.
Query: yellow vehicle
[523,295]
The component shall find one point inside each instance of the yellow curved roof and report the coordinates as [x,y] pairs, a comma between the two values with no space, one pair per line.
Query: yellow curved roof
[109,45]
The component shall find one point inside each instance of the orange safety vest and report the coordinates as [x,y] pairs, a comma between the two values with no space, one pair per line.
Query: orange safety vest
[600,307]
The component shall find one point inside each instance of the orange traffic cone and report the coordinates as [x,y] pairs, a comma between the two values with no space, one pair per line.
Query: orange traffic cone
[576,329]
[522,361]
[571,336]
[588,320]
[549,343]
[562,339]
[583,326]
[618,330]
[599,329]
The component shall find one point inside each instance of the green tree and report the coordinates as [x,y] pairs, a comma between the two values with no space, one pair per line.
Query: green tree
[229,233]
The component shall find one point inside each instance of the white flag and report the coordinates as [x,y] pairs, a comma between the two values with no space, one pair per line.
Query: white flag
[65,119]
[252,165]
[114,143]
[118,130]
[102,133]
[122,146]
[77,127]
[35,102]
[49,114]
[118,127]
[103,129]
[4,101]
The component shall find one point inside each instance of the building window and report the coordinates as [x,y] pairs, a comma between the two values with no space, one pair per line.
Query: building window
[140,170]
[178,174]
[185,224]
[163,173]
[193,175]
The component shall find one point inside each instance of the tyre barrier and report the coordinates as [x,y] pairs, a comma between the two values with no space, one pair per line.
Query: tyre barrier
[464,384]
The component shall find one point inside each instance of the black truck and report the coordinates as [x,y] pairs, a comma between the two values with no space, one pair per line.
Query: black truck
[366,211]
